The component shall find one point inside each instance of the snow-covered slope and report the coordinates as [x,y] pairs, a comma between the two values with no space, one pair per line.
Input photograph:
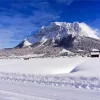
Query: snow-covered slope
[27,43]
[58,30]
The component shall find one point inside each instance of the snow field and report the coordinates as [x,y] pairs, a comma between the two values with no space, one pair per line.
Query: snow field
[77,72]
[45,66]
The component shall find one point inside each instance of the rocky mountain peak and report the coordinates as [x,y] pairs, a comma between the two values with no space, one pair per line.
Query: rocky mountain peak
[59,30]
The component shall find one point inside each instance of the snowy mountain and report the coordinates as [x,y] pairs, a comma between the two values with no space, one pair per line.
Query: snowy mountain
[58,30]
[24,43]
[58,36]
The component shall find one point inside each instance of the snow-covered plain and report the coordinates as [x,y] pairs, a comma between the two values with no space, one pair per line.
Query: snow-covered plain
[72,66]
[75,78]
[40,66]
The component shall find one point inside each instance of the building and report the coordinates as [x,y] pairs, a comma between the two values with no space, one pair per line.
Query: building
[95,53]
[26,58]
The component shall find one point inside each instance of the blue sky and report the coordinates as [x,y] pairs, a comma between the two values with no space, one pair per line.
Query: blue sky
[21,18]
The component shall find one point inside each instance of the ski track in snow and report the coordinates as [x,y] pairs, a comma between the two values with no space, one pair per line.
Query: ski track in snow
[92,83]
[16,91]
[12,95]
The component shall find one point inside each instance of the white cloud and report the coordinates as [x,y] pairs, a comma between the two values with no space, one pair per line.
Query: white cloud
[95,24]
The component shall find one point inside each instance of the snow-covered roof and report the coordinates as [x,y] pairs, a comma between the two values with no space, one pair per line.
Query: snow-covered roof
[65,50]
[27,43]
[95,50]
[95,53]
[80,50]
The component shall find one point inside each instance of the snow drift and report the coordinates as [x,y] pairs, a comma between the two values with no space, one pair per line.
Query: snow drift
[90,67]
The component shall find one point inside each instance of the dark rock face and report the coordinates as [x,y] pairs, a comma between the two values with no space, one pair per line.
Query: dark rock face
[77,42]
[66,42]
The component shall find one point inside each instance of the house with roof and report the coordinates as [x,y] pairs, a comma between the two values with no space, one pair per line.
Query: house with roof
[95,53]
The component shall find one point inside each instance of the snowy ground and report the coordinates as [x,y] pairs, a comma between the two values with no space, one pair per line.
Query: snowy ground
[16,91]
[41,66]
[74,66]
[76,78]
